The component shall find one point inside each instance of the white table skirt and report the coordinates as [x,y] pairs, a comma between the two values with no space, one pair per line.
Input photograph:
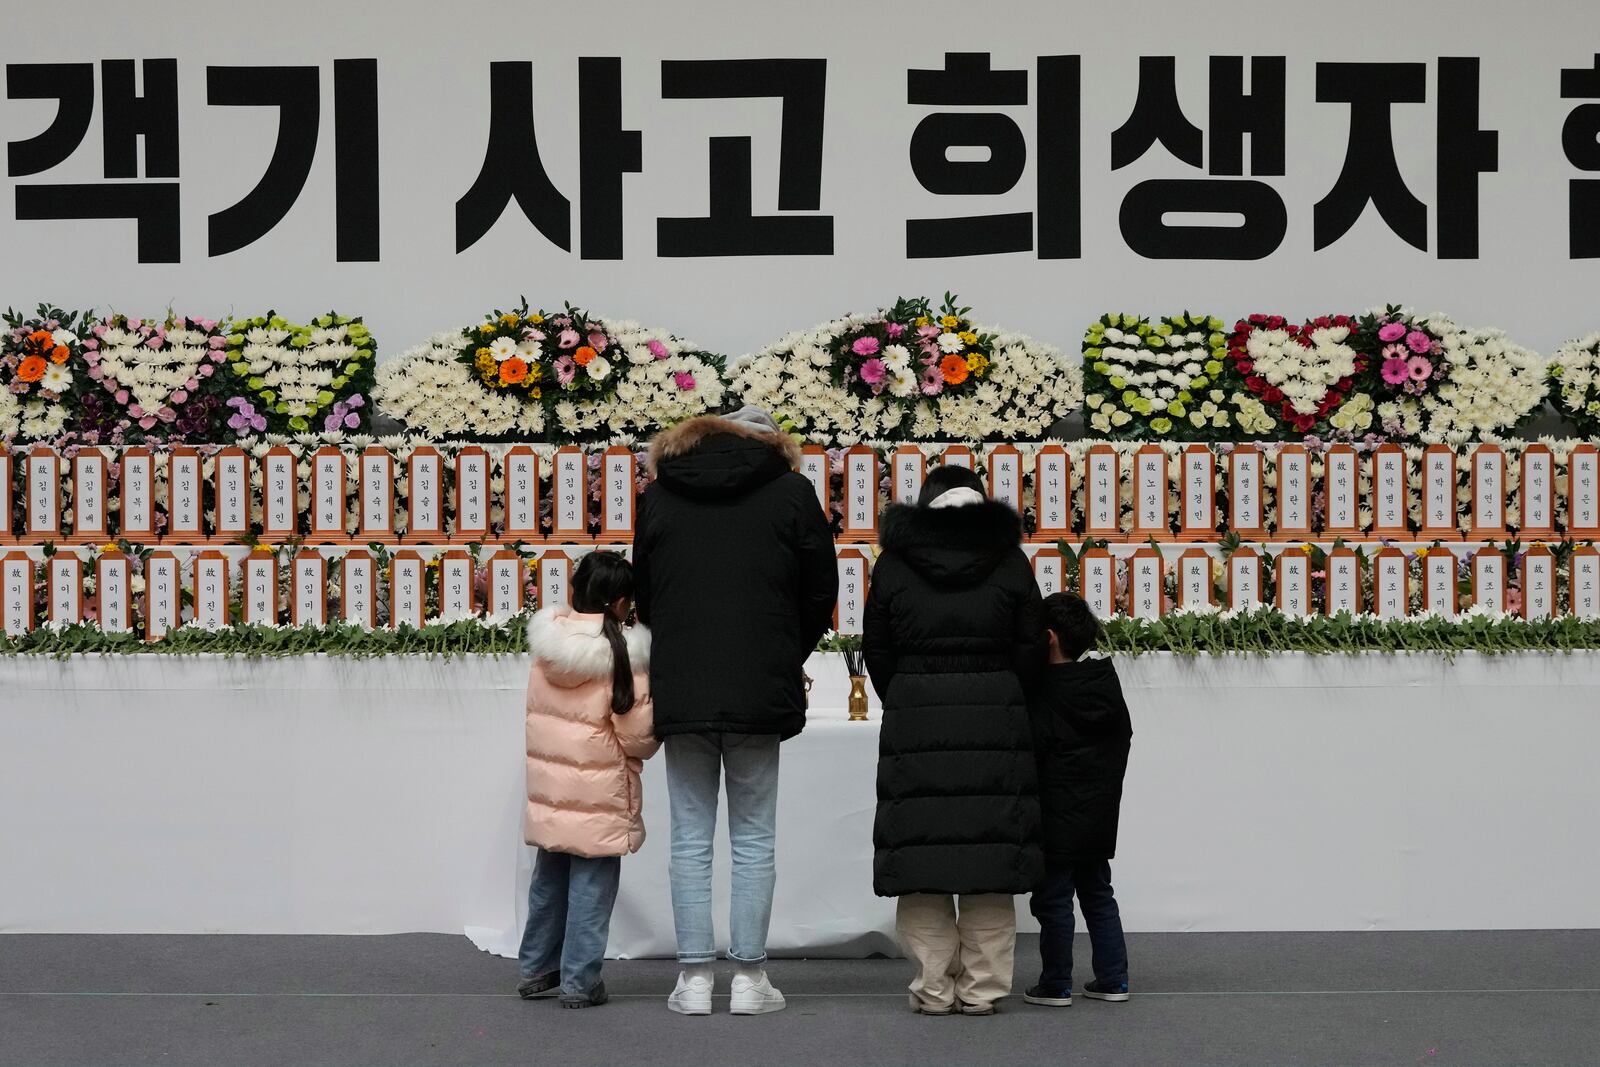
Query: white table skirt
[152,794]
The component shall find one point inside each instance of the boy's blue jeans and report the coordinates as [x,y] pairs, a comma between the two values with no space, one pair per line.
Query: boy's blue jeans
[569,918]
[1051,904]
[696,766]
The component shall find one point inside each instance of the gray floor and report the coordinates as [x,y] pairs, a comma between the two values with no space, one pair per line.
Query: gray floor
[1431,999]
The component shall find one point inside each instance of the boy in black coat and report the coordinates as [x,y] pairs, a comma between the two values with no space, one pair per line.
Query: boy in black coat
[1082,733]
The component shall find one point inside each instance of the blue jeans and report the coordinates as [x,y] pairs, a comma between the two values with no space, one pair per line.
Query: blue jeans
[569,918]
[696,763]
[1052,906]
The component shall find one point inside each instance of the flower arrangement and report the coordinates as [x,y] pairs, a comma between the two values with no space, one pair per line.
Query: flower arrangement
[570,376]
[155,376]
[292,378]
[41,361]
[1433,381]
[1302,373]
[910,373]
[1574,383]
[1147,379]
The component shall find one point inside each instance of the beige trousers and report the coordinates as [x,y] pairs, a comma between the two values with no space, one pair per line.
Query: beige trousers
[967,958]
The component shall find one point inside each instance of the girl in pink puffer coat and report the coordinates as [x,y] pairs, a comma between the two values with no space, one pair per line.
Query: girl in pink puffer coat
[589,728]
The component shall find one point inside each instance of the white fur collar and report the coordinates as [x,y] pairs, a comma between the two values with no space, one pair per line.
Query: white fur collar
[573,645]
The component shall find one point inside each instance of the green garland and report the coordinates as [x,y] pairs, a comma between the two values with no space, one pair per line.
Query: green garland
[1267,631]
[1260,632]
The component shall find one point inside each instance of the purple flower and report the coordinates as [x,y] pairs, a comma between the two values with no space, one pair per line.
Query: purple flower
[865,346]
[684,379]
[657,349]
[893,329]
[1392,332]
[1419,342]
[873,370]
[355,401]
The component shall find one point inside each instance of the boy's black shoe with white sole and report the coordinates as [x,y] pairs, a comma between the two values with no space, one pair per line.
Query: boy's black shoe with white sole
[1097,990]
[1048,998]
[540,985]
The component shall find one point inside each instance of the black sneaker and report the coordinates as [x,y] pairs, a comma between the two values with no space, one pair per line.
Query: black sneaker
[592,999]
[1097,990]
[540,985]
[1046,997]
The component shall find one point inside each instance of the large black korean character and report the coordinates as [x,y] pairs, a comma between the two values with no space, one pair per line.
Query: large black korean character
[1580,140]
[731,228]
[512,169]
[127,115]
[296,93]
[1371,173]
[1158,118]
[969,80]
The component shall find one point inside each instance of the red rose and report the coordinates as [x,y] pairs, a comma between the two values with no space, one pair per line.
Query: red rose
[1255,385]
[1244,366]
[1273,395]
[1303,423]
[1255,319]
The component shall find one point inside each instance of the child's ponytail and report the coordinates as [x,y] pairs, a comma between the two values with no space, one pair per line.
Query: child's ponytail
[599,581]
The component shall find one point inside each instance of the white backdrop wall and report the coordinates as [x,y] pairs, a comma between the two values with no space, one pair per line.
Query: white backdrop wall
[433,67]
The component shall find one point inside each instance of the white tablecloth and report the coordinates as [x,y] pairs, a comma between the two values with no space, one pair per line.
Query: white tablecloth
[151,794]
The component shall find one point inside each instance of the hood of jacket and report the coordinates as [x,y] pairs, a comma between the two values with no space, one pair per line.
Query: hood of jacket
[956,546]
[573,650]
[708,458]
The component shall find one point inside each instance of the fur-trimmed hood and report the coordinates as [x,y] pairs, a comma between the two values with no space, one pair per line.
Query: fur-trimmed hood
[711,457]
[573,648]
[955,546]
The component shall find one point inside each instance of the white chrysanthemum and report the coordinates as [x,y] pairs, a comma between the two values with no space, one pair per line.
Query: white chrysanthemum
[57,378]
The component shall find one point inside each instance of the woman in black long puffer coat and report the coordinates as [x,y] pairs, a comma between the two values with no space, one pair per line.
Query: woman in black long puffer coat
[954,631]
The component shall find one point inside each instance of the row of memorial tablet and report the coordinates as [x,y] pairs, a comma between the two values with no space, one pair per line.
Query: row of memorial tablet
[238,495]
[511,585]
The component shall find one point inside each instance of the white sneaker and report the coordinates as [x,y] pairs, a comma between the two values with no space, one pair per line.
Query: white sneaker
[753,996]
[691,996]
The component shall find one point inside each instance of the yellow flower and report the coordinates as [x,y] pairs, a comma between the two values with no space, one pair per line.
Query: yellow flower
[1161,425]
[977,363]
[950,322]
[483,353]
[509,319]
[486,328]
[109,546]
[1422,553]
[533,564]
[968,337]
[262,546]
[534,392]
[536,319]
[1306,549]
[922,320]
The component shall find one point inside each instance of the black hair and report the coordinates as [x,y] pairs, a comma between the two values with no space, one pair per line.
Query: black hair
[945,477]
[1076,627]
[598,582]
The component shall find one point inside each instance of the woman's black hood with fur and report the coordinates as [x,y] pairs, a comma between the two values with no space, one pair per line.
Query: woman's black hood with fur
[952,546]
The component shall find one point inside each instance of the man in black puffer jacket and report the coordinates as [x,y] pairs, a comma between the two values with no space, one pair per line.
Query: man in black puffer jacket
[735,573]
[953,632]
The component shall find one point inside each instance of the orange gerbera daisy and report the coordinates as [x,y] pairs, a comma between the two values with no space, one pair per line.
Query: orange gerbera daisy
[513,371]
[59,354]
[954,369]
[584,356]
[32,369]
[42,338]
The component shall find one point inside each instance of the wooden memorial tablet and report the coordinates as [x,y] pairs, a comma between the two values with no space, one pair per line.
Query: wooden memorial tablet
[65,577]
[1390,519]
[1247,511]
[1439,518]
[211,589]
[521,466]
[1049,571]
[308,602]
[1102,494]
[1488,494]
[1052,493]
[1538,582]
[472,495]
[458,595]
[280,495]
[1538,492]
[232,498]
[408,587]
[377,494]
[555,579]
[44,495]
[618,471]
[1439,580]
[163,594]
[1097,581]
[1145,577]
[1005,476]
[1152,516]
[260,597]
[1343,581]
[1244,580]
[90,483]
[850,610]
[506,569]
[358,595]
[425,514]
[1293,569]
[909,465]
[1341,481]
[138,481]
[19,577]
[1489,579]
[860,495]
[329,496]
[1391,584]
[1294,493]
